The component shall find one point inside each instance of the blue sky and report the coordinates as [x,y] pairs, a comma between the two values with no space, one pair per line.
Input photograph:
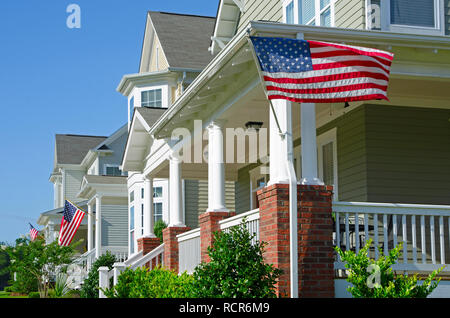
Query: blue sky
[59,80]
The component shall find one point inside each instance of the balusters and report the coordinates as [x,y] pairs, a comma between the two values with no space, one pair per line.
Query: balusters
[394,229]
[347,233]
[357,232]
[441,238]
[405,240]
[433,246]
[423,239]
[385,234]
[375,229]
[338,233]
[366,228]
[413,233]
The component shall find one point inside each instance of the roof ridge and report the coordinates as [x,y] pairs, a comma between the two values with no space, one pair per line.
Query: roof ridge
[183,14]
[75,135]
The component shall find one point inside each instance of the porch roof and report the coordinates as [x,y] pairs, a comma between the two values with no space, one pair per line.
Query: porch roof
[56,213]
[112,186]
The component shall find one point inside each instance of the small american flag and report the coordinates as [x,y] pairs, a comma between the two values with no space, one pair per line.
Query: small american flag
[69,224]
[321,72]
[33,232]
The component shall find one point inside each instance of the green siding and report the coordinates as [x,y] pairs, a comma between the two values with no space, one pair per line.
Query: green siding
[447,16]
[408,153]
[350,14]
[267,10]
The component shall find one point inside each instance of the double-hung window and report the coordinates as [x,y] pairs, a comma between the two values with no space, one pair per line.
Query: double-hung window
[158,203]
[309,12]
[112,170]
[151,98]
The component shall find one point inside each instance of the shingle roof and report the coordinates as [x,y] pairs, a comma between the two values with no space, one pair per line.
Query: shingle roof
[184,38]
[150,115]
[71,149]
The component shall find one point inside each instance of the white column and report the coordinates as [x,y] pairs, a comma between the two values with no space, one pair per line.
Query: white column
[98,226]
[148,208]
[90,227]
[175,193]
[279,145]
[309,144]
[216,168]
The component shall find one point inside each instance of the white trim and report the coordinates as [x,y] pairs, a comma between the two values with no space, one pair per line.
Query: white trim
[251,215]
[111,165]
[188,235]
[323,139]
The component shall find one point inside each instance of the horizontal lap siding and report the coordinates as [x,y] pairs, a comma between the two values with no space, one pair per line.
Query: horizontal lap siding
[72,181]
[447,16]
[408,154]
[350,14]
[242,189]
[114,225]
[267,10]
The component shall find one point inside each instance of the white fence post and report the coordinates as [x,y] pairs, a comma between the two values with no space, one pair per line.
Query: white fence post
[103,280]
[117,268]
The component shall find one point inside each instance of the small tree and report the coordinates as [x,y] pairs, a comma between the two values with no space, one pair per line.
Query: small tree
[38,261]
[160,225]
[375,278]
[90,286]
[236,269]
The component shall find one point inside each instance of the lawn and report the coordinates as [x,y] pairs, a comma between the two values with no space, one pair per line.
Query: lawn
[4,294]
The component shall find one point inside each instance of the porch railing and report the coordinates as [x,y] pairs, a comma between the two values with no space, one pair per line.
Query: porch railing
[189,255]
[251,223]
[424,231]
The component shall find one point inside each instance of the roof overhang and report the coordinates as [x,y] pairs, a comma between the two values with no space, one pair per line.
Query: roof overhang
[228,14]
[103,185]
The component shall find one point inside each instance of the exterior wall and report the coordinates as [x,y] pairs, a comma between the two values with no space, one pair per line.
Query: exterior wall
[350,14]
[408,154]
[268,10]
[114,225]
[72,180]
[447,16]
[118,146]
[196,199]
[158,61]
[94,168]
[242,189]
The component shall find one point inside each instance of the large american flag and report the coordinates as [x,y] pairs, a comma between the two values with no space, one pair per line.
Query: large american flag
[33,232]
[321,72]
[70,222]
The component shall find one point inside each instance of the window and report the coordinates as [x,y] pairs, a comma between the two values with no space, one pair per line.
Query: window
[142,219]
[316,12]
[151,98]
[290,13]
[158,211]
[131,196]
[258,180]
[157,192]
[112,170]
[409,16]
[131,226]
[142,193]
[131,107]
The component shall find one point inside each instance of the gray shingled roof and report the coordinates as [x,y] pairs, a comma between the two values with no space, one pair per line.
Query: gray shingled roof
[184,38]
[150,115]
[71,149]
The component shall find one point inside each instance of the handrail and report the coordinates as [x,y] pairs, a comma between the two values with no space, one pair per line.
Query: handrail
[237,219]
[188,235]
[148,257]
[390,208]
[131,259]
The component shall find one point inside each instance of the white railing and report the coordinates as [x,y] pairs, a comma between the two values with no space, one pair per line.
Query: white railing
[417,227]
[154,258]
[189,254]
[252,223]
[120,252]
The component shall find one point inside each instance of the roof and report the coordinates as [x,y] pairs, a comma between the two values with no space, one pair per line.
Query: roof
[150,115]
[184,38]
[71,149]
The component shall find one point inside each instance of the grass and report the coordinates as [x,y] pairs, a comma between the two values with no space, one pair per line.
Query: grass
[4,294]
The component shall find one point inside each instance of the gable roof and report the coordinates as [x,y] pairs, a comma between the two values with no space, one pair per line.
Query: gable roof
[71,149]
[184,38]
[150,115]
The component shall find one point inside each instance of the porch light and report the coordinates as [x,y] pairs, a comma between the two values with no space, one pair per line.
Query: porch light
[253,125]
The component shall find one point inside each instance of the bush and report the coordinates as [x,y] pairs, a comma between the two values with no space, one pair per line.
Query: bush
[236,269]
[155,283]
[376,279]
[90,285]
[34,295]
[158,228]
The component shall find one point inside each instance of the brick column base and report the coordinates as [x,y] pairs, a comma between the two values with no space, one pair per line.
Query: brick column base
[209,223]
[171,246]
[148,244]
[315,231]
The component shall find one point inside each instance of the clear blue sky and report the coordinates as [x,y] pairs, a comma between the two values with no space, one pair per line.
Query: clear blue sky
[59,80]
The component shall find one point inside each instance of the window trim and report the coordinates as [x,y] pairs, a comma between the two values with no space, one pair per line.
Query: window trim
[317,12]
[153,90]
[110,165]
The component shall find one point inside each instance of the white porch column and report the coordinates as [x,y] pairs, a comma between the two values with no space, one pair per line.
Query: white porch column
[216,168]
[175,193]
[90,240]
[148,208]
[98,226]
[309,144]
[279,144]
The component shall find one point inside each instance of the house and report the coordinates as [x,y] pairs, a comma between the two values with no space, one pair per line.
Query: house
[381,167]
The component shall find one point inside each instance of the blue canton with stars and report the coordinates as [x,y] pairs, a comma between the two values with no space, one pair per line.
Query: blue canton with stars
[282,54]
[69,211]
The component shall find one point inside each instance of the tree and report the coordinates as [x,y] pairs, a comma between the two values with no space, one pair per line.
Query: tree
[90,285]
[38,260]
[4,263]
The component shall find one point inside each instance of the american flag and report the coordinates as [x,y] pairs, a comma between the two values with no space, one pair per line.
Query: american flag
[33,232]
[70,222]
[321,72]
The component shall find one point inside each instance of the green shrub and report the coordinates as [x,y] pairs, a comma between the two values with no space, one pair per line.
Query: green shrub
[375,278]
[8,289]
[158,228]
[34,295]
[90,285]
[155,283]
[61,287]
[236,269]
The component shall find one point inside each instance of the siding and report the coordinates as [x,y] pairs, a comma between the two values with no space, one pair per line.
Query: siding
[72,181]
[114,225]
[254,10]
[196,199]
[408,154]
[242,190]
[160,63]
[118,147]
[350,14]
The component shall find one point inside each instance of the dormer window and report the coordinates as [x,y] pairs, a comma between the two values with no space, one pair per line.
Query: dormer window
[151,98]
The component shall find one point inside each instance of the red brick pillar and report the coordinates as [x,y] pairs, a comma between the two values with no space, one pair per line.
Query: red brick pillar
[315,242]
[274,230]
[315,230]
[148,244]
[209,223]
[171,246]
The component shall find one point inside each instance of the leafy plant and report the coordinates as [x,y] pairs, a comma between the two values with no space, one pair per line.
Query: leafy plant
[159,226]
[61,287]
[375,278]
[236,269]
[155,283]
[90,285]
[34,295]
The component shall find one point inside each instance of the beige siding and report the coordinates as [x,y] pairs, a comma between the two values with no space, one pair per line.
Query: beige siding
[196,199]
[350,14]
[72,185]
[158,61]
[268,10]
